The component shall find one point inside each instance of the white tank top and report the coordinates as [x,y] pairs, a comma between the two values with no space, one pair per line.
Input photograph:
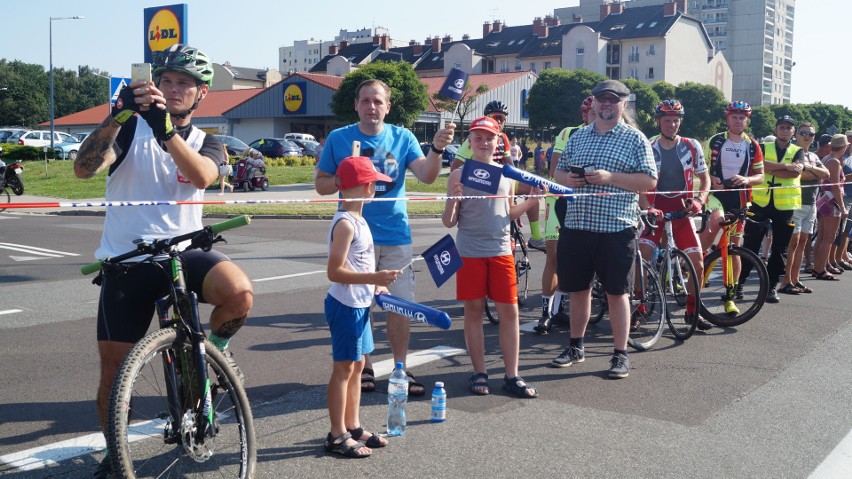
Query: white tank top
[361,259]
[149,173]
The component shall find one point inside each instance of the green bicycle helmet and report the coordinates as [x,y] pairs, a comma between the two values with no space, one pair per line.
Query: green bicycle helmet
[185,59]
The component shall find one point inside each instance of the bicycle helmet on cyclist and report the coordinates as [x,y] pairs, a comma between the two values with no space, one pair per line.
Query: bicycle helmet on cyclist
[496,106]
[184,59]
[587,104]
[738,107]
[669,108]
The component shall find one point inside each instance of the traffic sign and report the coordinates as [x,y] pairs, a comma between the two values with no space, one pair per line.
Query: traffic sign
[115,85]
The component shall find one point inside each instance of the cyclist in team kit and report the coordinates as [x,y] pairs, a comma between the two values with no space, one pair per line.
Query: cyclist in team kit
[554,215]
[158,155]
[498,111]
[679,162]
[736,164]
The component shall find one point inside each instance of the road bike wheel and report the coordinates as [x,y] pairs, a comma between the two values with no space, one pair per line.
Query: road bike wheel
[648,310]
[713,295]
[599,302]
[675,288]
[143,438]
[522,271]
[5,199]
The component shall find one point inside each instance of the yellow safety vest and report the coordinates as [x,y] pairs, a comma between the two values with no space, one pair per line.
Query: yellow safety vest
[790,196]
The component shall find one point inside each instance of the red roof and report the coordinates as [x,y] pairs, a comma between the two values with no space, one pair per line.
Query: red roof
[329,81]
[214,105]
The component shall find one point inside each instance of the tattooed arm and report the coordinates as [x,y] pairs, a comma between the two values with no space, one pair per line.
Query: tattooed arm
[97,152]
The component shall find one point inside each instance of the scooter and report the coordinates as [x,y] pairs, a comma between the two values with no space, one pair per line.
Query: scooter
[10,175]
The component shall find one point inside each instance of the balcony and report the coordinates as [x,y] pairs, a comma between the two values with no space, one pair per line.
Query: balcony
[633,58]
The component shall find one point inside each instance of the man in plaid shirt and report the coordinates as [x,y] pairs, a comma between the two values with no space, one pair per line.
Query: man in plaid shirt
[613,162]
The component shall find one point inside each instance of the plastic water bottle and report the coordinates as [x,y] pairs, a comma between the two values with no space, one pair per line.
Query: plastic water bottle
[397,399]
[439,403]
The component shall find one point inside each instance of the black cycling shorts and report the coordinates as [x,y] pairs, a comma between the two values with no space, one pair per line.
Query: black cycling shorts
[582,254]
[126,304]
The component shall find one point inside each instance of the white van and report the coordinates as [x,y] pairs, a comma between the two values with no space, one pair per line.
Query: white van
[299,136]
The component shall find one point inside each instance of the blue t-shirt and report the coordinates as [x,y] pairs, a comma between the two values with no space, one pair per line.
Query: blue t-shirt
[392,151]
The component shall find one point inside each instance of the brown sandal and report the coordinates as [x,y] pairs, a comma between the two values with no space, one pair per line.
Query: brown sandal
[368,380]
[826,276]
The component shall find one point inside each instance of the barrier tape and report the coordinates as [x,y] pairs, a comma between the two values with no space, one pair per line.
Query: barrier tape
[104,204]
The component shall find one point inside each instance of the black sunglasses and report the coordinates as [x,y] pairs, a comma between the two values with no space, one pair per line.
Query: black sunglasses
[807,133]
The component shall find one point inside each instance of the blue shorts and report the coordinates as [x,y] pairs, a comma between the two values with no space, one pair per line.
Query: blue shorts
[351,334]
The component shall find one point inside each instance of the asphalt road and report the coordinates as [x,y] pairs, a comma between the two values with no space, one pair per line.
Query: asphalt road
[767,399]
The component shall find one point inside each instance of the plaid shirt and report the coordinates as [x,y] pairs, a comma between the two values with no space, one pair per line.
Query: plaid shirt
[621,150]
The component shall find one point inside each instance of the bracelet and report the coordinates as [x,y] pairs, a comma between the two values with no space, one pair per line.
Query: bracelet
[440,152]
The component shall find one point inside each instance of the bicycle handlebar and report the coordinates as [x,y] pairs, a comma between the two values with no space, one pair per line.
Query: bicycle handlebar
[161,245]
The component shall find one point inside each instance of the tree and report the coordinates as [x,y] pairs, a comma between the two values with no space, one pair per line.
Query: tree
[704,106]
[646,103]
[762,121]
[555,98]
[664,90]
[468,100]
[409,97]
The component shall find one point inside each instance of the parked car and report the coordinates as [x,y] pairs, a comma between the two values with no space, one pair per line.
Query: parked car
[449,152]
[82,136]
[299,136]
[67,150]
[6,133]
[39,138]
[276,147]
[309,147]
[234,145]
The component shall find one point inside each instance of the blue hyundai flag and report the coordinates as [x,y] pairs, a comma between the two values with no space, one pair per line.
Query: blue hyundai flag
[481,176]
[454,85]
[443,260]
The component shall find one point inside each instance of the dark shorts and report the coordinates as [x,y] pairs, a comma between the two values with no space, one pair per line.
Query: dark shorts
[126,305]
[582,254]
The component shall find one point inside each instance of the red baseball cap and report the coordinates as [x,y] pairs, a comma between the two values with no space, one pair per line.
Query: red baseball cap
[356,171]
[485,123]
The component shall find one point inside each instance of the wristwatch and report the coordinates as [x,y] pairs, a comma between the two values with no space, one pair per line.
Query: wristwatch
[440,152]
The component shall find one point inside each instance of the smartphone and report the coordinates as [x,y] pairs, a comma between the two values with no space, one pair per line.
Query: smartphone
[141,72]
[577,170]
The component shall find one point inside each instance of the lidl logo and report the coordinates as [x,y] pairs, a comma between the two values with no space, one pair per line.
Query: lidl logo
[294,98]
[163,30]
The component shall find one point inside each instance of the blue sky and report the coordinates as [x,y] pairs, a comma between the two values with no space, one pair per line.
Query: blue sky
[248,33]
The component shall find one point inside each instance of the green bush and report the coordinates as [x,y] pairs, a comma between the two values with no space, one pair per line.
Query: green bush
[12,151]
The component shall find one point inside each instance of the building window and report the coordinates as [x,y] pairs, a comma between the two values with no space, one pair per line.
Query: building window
[518,65]
[651,72]
[634,73]
[634,54]
[613,73]
[613,54]
[651,50]
[532,67]
[505,67]
[546,65]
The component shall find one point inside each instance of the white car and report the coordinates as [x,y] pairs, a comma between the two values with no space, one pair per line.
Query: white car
[40,138]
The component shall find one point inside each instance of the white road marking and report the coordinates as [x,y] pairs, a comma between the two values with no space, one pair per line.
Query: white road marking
[35,250]
[51,454]
[306,273]
[11,311]
[528,326]
[838,463]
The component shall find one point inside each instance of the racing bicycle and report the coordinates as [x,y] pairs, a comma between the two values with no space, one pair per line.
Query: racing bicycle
[522,269]
[177,408]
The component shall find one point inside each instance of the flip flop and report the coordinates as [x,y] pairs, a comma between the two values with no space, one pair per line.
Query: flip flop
[826,276]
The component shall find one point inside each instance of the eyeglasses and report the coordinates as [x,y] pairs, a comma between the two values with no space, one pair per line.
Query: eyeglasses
[498,117]
[608,99]
[807,133]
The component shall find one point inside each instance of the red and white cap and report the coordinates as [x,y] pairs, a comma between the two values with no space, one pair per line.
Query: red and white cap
[356,171]
[485,123]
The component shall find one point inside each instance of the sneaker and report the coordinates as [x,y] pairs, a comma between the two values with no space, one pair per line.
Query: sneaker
[731,308]
[704,325]
[619,366]
[568,357]
[772,297]
[229,356]
[104,470]
[738,293]
[543,326]
[536,244]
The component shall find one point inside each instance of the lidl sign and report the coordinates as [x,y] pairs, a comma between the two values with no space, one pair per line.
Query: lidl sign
[294,98]
[164,26]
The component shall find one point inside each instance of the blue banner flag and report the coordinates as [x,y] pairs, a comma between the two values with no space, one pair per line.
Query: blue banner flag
[481,176]
[454,85]
[534,180]
[443,260]
[415,311]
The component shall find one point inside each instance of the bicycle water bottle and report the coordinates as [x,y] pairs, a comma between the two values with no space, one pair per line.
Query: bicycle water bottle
[439,403]
[397,399]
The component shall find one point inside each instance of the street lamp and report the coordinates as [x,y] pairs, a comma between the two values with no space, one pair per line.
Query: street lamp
[51,71]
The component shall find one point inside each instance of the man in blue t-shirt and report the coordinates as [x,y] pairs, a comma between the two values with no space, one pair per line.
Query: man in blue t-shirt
[393,150]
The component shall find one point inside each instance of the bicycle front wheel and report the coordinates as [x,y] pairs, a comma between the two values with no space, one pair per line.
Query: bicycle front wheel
[648,310]
[144,437]
[5,199]
[744,298]
[677,282]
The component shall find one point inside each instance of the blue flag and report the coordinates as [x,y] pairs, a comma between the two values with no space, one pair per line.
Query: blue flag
[443,260]
[481,176]
[453,87]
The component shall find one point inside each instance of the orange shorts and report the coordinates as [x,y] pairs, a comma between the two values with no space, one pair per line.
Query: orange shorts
[493,277]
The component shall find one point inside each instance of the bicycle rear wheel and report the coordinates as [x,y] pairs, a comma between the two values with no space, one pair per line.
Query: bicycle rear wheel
[676,287]
[5,199]
[143,437]
[599,302]
[750,297]
[648,310]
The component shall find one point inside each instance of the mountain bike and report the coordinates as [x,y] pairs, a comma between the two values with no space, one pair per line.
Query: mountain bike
[724,285]
[678,278]
[177,408]
[647,305]
[522,269]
